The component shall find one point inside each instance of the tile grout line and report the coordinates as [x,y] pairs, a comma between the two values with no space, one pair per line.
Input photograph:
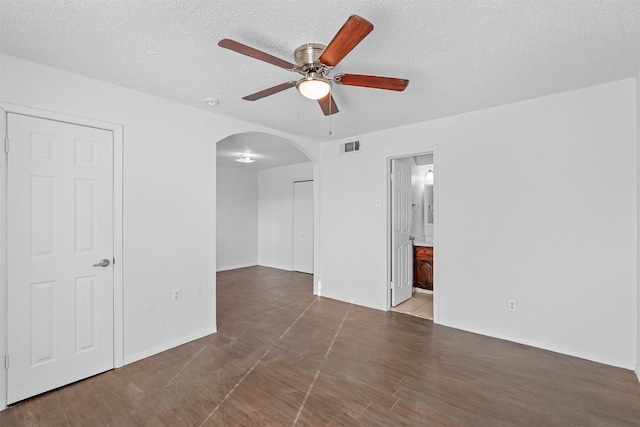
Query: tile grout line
[184,366]
[298,318]
[234,387]
[365,408]
[335,336]
[394,405]
[306,396]
[260,360]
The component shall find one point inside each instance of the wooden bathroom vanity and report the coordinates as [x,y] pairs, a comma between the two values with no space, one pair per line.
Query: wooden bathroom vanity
[423,266]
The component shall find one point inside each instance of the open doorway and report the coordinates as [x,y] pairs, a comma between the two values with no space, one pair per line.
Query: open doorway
[255,192]
[412,237]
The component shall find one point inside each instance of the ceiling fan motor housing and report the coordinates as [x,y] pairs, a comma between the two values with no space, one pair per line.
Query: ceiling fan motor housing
[307,56]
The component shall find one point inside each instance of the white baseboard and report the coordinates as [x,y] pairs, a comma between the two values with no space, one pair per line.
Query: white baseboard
[234,267]
[167,346]
[638,373]
[598,358]
[277,267]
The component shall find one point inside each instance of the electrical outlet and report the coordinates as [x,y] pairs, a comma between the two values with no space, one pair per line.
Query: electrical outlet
[197,290]
[177,294]
[513,305]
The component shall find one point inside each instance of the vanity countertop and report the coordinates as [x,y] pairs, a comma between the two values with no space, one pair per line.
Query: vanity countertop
[426,244]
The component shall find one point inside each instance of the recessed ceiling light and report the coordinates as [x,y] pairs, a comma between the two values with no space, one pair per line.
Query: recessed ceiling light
[211,101]
[245,159]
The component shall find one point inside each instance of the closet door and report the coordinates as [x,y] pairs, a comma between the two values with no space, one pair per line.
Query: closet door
[303,226]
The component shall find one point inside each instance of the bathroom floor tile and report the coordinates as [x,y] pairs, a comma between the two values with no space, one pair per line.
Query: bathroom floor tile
[420,305]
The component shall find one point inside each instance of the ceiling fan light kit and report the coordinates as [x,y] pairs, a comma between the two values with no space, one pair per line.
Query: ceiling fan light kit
[315,61]
[314,86]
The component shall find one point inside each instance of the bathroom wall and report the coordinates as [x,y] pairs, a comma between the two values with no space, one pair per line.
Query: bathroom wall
[422,231]
[419,206]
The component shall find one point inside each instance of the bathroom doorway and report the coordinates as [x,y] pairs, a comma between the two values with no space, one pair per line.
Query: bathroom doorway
[412,234]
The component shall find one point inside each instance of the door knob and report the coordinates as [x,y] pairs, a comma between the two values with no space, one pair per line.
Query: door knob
[103,263]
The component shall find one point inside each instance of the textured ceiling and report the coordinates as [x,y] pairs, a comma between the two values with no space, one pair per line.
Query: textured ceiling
[459,55]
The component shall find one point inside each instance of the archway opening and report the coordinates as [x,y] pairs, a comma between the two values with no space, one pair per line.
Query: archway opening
[264,204]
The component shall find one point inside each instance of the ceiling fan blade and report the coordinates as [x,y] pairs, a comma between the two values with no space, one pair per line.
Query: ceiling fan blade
[351,33]
[270,91]
[376,82]
[328,105]
[255,53]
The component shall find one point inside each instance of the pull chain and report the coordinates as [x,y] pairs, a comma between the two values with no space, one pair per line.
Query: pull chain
[298,116]
[330,103]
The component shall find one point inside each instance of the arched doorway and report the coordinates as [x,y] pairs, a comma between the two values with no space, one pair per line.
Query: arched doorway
[258,178]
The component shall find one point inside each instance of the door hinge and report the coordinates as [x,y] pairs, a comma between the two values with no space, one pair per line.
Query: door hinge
[6,362]
[114,261]
[391,285]
[6,145]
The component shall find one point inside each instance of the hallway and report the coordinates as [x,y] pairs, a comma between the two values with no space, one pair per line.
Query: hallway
[285,357]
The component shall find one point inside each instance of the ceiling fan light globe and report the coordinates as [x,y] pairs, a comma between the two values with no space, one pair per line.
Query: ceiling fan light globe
[313,88]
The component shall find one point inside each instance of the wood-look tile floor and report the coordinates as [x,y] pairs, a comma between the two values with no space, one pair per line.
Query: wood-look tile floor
[283,357]
[420,304]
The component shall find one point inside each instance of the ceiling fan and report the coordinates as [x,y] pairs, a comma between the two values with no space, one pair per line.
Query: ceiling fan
[315,61]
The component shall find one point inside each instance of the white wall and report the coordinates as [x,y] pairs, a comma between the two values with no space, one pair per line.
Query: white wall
[536,202]
[169,168]
[638,222]
[236,217]
[169,196]
[3,258]
[275,213]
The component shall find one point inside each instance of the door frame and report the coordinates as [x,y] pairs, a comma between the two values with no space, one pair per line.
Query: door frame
[118,278]
[436,247]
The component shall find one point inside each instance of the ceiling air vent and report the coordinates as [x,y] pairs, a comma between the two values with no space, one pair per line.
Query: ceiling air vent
[350,147]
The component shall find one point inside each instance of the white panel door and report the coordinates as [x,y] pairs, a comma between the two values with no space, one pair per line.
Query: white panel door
[402,247]
[60,223]
[303,226]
